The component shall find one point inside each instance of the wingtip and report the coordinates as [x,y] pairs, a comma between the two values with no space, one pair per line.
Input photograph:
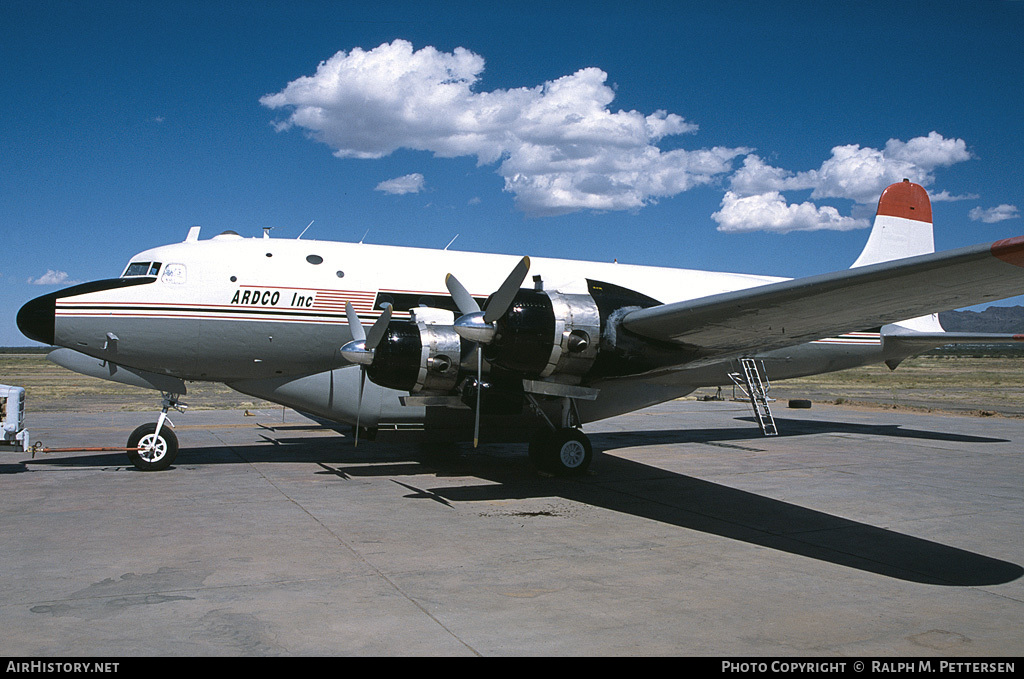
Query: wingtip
[907,200]
[1010,250]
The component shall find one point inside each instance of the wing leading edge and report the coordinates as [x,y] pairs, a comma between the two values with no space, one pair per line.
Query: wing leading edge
[791,312]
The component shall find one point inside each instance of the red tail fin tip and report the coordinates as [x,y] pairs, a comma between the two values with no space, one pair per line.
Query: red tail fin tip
[906,199]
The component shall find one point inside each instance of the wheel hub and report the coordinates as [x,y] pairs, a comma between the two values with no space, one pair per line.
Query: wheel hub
[572,454]
[152,448]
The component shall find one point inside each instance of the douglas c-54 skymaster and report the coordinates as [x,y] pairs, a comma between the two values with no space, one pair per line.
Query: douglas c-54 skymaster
[459,348]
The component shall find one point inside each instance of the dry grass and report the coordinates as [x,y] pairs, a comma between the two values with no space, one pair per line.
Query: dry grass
[977,386]
[981,386]
[51,388]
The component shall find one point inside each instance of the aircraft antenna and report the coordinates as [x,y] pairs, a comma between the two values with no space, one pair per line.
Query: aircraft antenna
[266,231]
[450,242]
[364,236]
[306,229]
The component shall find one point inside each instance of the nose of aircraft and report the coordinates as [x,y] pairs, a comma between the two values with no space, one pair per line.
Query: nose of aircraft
[35,319]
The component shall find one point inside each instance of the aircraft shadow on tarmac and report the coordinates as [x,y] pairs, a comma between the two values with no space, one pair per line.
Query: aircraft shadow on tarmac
[786,427]
[649,492]
[633,488]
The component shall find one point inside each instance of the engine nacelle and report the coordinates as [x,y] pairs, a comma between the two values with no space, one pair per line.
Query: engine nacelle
[422,354]
[543,335]
[547,333]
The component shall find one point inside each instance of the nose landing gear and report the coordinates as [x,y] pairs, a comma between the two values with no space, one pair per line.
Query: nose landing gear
[153,447]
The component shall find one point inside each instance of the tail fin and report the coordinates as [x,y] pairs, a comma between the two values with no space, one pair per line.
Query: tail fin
[903,228]
[903,225]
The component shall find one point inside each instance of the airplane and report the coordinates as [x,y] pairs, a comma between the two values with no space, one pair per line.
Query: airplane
[460,345]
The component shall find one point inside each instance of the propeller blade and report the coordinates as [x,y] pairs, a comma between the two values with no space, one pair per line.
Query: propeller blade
[463,300]
[479,375]
[378,330]
[501,300]
[360,350]
[355,326]
[359,402]
[478,326]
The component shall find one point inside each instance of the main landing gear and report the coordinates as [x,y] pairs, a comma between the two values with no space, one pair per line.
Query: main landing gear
[564,450]
[152,447]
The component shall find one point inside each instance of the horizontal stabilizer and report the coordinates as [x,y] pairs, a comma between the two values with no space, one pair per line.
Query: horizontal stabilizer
[922,341]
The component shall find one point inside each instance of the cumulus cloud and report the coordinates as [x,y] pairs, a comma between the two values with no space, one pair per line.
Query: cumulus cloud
[410,183]
[770,212]
[558,146]
[852,172]
[52,277]
[947,197]
[994,214]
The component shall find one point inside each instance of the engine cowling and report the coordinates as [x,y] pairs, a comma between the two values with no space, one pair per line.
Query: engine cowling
[422,354]
[545,334]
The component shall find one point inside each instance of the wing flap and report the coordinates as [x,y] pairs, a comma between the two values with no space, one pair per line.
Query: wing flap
[802,310]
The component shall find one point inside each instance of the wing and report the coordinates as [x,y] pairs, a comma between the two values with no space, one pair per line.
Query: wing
[802,310]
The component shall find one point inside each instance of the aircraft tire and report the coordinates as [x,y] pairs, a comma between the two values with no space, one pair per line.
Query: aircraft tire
[799,403]
[157,459]
[565,452]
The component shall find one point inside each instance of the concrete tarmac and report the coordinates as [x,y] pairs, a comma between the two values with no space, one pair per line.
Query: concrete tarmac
[852,533]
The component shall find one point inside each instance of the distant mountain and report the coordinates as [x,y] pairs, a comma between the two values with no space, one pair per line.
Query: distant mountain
[993,319]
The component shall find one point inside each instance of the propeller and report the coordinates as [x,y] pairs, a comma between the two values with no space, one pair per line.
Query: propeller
[361,349]
[478,326]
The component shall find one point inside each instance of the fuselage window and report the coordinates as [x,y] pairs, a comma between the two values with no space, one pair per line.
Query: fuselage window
[174,273]
[315,259]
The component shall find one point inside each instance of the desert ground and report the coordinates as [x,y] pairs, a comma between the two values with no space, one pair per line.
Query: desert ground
[982,386]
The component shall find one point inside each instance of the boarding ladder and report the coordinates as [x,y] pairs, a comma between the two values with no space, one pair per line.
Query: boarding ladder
[754,385]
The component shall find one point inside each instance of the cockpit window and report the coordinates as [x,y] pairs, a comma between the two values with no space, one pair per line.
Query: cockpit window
[142,269]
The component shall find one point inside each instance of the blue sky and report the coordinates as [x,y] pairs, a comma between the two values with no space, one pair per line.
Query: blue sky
[737,136]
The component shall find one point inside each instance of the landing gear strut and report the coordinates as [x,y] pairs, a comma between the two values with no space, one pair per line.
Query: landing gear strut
[152,447]
[565,450]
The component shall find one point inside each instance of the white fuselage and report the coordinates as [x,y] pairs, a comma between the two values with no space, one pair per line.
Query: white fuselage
[236,308]
[268,317]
